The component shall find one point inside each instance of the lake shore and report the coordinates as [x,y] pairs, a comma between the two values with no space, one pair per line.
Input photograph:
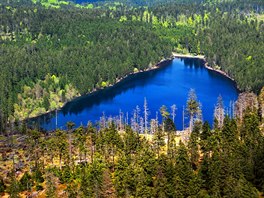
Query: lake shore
[158,65]
[206,65]
[178,55]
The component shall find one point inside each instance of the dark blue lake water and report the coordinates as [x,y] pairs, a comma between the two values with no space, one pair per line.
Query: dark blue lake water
[167,85]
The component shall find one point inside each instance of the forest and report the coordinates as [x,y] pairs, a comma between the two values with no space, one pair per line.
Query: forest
[114,160]
[53,51]
[108,40]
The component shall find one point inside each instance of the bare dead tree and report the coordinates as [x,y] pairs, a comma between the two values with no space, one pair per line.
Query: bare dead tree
[134,120]
[141,125]
[173,111]
[109,121]
[146,114]
[103,121]
[137,114]
[153,126]
[219,111]
[121,115]
[126,118]
[244,101]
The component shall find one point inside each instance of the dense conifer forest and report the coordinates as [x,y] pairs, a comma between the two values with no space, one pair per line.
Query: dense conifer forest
[53,51]
[112,159]
[106,41]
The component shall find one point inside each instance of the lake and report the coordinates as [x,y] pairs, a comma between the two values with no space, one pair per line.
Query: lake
[167,85]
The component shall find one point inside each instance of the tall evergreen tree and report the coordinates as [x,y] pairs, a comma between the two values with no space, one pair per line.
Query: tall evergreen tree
[192,107]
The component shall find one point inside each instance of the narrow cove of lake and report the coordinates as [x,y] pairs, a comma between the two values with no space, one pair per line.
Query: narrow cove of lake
[167,85]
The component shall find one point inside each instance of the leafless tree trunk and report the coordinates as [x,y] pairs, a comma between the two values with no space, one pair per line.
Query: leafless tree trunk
[141,125]
[137,114]
[173,111]
[219,111]
[120,119]
[153,126]
[146,113]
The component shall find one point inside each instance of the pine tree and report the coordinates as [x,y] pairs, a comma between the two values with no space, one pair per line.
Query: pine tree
[205,137]
[164,114]
[193,145]
[184,173]
[50,185]
[14,187]
[170,130]
[121,176]
[142,187]
[131,141]
[214,175]
[80,138]
[158,141]
[160,183]
[70,126]
[92,178]
[2,185]
[72,190]
[61,145]
[26,182]
[192,107]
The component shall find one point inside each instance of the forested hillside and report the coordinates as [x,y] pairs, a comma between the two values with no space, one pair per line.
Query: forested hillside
[83,47]
[116,161]
[53,51]
[93,46]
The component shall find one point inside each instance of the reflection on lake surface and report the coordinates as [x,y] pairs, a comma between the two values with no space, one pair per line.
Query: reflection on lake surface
[167,85]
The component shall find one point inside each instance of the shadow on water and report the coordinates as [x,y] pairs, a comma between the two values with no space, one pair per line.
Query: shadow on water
[166,85]
[88,101]
[193,62]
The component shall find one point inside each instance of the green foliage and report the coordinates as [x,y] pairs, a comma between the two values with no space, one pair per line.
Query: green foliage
[14,188]
[38,176]
[192,103]
[51,42]
[39,187]
[45,95]
[131,141]
[218,162]
[66,175]
[72,190]
[184,177]
[2,185]
[92,48]
[135,70]
[238,51]
[50,185]
[158,140]
[26,182]
[104,84]
[92,178]
[193,145]
[156,31]
[164,112]
[169,125]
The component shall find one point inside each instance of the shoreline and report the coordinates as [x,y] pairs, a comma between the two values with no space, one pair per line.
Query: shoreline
[158,65]
[206,65]
[178,55]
